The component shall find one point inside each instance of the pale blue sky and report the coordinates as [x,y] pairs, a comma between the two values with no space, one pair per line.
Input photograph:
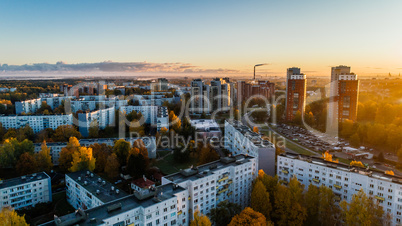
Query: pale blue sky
[315,34]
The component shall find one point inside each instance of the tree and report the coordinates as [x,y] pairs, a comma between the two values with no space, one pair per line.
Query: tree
[66,154]
[26,164]
[112,166]
[270,183]
[289,207]
[328,157]
[355,140]
[312,202]
[207,154]
[224,212]
[8,216]
[249,217]
[200,219]
[357,163]
[137,165]
[43,158]
[260,199]
[83,160]
[298,118]
[328,211]
[121,148]
[64,132]
[100,152]
[93,130]
[347,128]
[361,210]
[255,129]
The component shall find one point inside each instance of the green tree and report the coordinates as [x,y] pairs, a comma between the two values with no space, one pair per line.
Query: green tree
[260,199]
[224,212]
[66,154]
[361,210]
[121,148]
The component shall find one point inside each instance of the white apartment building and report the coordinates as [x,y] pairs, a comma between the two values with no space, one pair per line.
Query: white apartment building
[206,128]
[25,191]
[86,190]
[240,139]
[31,106]
[344,180]
[55,147]
[154,115]
[36,122]
[103,117]
[91,103]
[228,179]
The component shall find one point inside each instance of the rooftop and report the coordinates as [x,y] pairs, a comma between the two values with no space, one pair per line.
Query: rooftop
[207,169]
[96,215]
[344,167]
[97,186]
[23,179]
[255,138]
[143,182]
[205,125]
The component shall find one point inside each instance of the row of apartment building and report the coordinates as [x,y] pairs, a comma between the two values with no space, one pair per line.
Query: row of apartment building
[171,203]
[55,147]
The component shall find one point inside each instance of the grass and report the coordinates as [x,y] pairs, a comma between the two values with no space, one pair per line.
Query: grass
[168,165]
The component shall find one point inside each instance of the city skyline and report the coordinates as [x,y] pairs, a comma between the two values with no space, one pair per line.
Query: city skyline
[208,37]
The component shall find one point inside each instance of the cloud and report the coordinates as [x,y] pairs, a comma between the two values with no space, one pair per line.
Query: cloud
[109,66]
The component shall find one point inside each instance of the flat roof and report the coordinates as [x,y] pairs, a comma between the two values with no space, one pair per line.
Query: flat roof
[95,183]
[345,167]
[207,169]
[23,179]
[254,137]
[203,124]
[96,215]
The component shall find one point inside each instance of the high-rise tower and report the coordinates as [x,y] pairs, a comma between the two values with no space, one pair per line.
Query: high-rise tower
[295,92]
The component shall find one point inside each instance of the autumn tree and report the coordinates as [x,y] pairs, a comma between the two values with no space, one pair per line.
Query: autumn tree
[112,166]
[270,183]
[289,208]
[361,210]
[249,217]
[255,129]
[200,219]
[224,212]
[357,163]
[93,131]
[260,199]
[83,160]
[355,140]
[176,122]
[328,211]
[312,201]
[207,154]
[26,164]
[43,158]
[100,152]
[66,154]
[8,216]
[64,132]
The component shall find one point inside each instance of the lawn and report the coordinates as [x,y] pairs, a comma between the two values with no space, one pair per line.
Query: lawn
[168,165]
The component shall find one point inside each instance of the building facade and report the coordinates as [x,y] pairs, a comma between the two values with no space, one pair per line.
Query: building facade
[25,191]
[246,90]
[101,117]
[240,139]
[296,83]
[36,122]
[344,180]
[154,115]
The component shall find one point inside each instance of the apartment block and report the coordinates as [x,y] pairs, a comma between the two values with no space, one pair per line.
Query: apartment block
[36,122]
[226,180]
[102,117]
[55,147]
[296,84]
[344,180]
[263,89]
[154,115]
[240,139]
[28,106]
[25,191]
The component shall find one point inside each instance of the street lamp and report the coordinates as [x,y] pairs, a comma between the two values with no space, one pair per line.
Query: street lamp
[257,65]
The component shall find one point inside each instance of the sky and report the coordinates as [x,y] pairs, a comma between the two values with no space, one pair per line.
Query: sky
[224,36]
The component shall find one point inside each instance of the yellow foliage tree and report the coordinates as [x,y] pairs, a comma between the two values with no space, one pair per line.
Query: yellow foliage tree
[83,159]
[8,216]
[357,163]
[43,158]
[249,217]
[390,172]
[328,157]
[200,219]
[255,129]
